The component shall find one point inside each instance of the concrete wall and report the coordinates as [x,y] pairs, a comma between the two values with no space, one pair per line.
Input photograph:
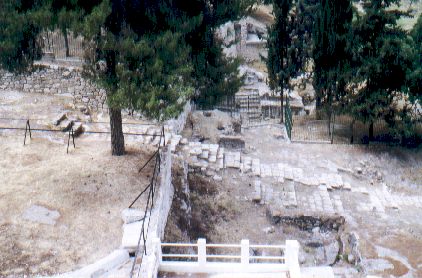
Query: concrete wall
[54,79]
[150,263]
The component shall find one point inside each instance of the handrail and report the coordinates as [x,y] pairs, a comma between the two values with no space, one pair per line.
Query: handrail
[179,256]
[223,256]
[179,245]
[268,246]
[214,245]
[234,261]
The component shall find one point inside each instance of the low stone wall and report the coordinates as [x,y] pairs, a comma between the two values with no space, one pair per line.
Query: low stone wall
[176,125]
[149,265]
[54,79]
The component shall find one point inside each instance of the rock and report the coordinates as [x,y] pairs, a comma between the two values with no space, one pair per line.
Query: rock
[60,119]
[302,258]
[217,178]
[79,130]
[130,215]
[66,125]
[41,215]
[184,141]
[378,175]
[66,74]
[347,186]
[351,259]
[358,170]
[204,154]
[209,173]
[237,126]
[269,230]
[231,142]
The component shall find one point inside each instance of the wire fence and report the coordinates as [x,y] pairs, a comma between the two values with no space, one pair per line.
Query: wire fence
[141,249]
[33,126]
[54,42]
[344,129]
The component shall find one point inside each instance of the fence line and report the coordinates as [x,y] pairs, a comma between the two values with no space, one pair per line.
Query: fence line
[141,249]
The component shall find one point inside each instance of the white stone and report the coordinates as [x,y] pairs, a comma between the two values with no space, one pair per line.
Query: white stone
[131,233]
[217,178]
[41,215]
[130,215]
[204,154]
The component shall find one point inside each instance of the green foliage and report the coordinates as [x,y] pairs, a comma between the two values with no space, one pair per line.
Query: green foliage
[20,22]
[383,53]
[214,75]
[332,51]
[279,44]
[414,76]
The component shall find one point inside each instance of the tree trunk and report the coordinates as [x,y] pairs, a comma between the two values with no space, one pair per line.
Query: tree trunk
[117,138]
[282,106]
[66,42]
[371,131]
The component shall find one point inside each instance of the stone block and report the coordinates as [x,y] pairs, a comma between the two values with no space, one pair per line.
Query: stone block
[232,142]
[130,215]
[204,154]
[256,167]
[212,158]
[131,233]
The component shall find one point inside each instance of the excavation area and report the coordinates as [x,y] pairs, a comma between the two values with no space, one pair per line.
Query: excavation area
[60,211]
[353,207]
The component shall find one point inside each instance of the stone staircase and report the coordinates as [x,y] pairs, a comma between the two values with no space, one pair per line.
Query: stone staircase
[250,105]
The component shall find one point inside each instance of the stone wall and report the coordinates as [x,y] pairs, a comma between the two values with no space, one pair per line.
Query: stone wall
[164,199]
[54,79]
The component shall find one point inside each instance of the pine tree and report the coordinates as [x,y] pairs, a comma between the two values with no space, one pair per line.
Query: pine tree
[382,50]
[142,52]
[21,22]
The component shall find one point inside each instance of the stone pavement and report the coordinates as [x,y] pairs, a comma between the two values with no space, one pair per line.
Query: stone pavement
[293,189]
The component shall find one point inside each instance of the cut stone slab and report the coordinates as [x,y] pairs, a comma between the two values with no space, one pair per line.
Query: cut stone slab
[130,215]
[41,215]
[131,233]
[257,195]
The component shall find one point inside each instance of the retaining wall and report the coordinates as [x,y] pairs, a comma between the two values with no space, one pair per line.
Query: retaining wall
[54,79]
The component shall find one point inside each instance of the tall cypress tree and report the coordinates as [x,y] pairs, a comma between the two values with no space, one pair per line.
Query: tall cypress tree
[332,51]
[279,63]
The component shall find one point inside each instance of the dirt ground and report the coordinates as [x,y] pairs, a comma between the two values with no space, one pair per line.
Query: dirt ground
[88,188]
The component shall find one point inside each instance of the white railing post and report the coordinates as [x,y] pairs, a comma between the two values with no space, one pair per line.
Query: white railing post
[244,251]
[202,251]
[292,258]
